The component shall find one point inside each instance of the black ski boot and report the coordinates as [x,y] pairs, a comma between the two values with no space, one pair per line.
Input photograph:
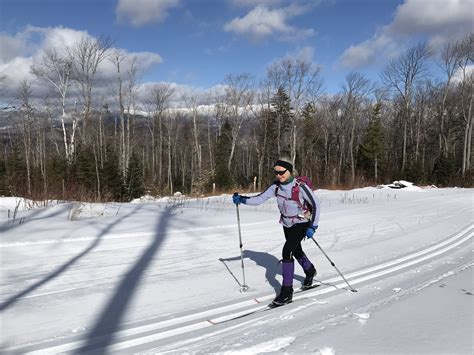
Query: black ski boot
[285,296]
[309,270]
[308,281]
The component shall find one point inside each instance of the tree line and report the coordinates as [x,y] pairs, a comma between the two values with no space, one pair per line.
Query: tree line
[73,145]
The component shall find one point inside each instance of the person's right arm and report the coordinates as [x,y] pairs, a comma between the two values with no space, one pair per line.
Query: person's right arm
[260,198]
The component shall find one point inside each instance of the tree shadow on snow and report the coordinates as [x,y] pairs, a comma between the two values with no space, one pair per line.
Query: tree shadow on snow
[269,262]
[30,217]
[102,333]
[15,298]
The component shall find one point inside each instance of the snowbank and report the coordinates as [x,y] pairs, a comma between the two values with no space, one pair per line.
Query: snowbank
[23,204]
[401,184]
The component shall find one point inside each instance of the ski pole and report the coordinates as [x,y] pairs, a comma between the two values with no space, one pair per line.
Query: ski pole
[332,263]
[244,287]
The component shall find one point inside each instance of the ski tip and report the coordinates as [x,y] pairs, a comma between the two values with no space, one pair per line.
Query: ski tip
[353,290]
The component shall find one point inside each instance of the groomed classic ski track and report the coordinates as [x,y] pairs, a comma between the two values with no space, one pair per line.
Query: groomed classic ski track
[213,317]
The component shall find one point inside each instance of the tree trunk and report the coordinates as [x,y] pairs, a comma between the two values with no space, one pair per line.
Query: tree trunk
[404,152]
[351,152]
[97,173]
[466,159]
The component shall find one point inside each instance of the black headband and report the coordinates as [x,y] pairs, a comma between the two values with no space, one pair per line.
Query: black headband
[285,164]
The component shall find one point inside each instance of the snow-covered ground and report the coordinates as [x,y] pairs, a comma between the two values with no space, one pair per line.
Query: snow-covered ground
[164,276]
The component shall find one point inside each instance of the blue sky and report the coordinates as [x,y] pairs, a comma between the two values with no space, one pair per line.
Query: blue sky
[195,43]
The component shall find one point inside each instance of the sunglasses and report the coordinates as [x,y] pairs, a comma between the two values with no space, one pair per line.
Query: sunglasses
[281,172]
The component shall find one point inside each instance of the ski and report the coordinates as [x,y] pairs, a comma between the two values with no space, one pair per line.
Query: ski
[272,305]
[268,307]
[306,288]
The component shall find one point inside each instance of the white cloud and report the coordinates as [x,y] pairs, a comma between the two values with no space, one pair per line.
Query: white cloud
[21,50]
[58,37]
[368,52]
[262,22]
[10,47]
[459,75]
[27,47]
[303,53]
[433,17]
[253,3]
[142,12]
[437,20]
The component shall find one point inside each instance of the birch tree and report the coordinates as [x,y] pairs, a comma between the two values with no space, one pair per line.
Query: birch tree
[466,59]
[86,57]
[55,68]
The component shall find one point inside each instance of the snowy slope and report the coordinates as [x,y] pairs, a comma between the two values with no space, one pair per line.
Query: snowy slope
[164,276]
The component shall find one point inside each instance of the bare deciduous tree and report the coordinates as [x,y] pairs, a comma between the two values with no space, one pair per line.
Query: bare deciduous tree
[26,128]
[302,82]
[192,102]
[128,78]
[158,101]
[56,69]
[86,56]
[238,99]
[356,90]
[402,75]
[466,59]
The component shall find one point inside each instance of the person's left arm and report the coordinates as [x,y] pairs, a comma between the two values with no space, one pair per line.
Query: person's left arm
[310,197]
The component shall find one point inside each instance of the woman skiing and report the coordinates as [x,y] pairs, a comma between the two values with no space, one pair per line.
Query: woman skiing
[299,208]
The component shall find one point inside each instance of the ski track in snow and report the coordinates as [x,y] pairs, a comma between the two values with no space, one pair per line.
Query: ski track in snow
[266,347]
[197,327]
[182,326]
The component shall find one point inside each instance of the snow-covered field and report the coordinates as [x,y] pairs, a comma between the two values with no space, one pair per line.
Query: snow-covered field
[164,276]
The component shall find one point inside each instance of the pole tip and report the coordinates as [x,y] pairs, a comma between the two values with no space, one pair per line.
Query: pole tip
[244,288]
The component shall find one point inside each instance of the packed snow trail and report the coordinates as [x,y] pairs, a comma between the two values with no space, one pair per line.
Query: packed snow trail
[66,278]
[180,326]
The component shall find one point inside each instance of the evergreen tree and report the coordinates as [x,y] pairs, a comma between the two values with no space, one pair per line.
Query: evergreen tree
[112,183]
[134,185]
[83,170]
[223,177]
[281,106]
[444,169]
[372,147]
[310,139]
[58,169]
[268,143]
[4,191]
[16,173]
